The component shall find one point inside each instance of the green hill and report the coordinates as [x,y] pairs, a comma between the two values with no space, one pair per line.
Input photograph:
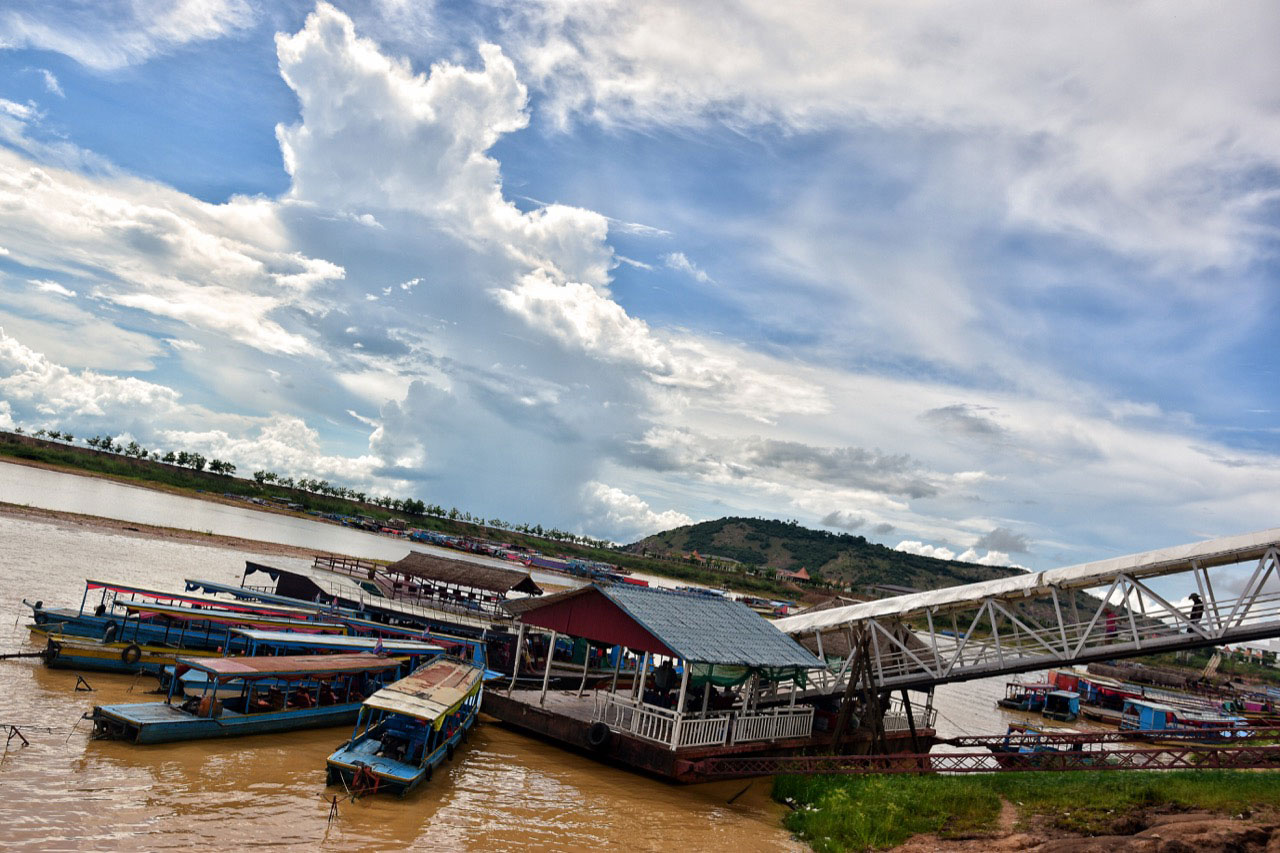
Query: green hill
[837,558]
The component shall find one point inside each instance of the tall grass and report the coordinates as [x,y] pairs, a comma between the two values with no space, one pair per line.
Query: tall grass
[840,813]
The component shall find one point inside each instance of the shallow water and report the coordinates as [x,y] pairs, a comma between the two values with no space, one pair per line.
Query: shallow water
[503,792]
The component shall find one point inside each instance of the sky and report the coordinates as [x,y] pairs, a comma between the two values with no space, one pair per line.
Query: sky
[985,281]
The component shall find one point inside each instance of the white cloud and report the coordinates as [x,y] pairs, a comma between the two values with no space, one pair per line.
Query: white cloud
[110,34]
[625,517]
[920,549]
[51,82]
[219,267]
[6,416]
[28,377]
[679,262]
[47,286]
[1142,135]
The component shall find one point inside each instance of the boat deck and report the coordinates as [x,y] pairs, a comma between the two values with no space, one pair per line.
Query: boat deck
[566,720]
[365,752]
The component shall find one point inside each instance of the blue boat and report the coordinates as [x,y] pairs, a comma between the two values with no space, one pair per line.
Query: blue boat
[407,729]
[260,643]
[1061,705]
[1021,696]
[276,694]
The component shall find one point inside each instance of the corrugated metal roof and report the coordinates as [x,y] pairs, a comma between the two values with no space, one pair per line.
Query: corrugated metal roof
[465,573]
[698,628]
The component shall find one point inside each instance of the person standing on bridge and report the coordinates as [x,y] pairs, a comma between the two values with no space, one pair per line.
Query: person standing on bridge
[1197,611]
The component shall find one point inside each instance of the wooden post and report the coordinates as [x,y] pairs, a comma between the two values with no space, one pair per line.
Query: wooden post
[546,673]
[637,691]
[911,721]
[684,688]
[515,665]
[706,695]
[856,652]
[586,661]
[616,667]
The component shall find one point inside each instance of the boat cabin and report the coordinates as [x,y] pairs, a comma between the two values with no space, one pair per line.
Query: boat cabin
[1062,705]
[1022,696]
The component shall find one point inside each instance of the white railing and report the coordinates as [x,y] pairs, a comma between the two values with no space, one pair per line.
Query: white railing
[704,731]
[652,723]
[773,724]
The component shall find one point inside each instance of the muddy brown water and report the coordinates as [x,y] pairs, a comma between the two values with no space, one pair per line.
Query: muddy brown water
[504,791]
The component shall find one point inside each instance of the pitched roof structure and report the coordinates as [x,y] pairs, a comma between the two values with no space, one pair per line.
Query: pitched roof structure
[465,573]
[697,628]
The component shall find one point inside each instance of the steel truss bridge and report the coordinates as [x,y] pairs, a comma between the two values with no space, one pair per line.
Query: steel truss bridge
[1116,608]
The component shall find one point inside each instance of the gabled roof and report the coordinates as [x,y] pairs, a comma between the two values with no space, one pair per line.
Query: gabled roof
[289,666]
[698,628]
[431,691]
[465,573]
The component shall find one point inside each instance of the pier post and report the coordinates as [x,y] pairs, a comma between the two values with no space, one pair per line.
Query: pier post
[546,673]
[684,689]
[515,665]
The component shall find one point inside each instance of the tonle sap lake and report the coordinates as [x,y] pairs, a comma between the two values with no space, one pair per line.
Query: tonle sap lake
[502,792]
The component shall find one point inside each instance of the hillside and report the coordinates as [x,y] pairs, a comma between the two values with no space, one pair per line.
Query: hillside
[840,559]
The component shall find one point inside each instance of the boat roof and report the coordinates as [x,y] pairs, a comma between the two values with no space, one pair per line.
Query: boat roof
[698,628]
[245,594]
[432,691]
[1066,694]
[1028,685]
[231,617]
[1213,552]
[465,573]
[294,638]
[284,666]
[290,608]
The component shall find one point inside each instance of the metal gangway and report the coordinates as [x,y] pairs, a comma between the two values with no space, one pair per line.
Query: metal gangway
[1210,593]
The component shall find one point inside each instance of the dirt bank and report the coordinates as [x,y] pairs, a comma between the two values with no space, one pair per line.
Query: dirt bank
[1139,832]
[130,528]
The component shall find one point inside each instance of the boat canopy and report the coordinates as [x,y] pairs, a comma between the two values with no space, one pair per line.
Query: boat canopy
[1036,687]
[230,617]
[465,573]
[186,598]
[697,628]
[1213,552]
[432,693]
[294,638]
[289,666]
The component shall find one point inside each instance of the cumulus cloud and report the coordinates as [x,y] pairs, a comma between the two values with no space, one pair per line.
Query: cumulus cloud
[1004,539]
[843,520]
[51,82]
[109,34]
[920,549]
[29,378]
[623,516]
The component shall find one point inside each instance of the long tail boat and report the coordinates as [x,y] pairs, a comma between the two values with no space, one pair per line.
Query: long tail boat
[277,694]
[407,729]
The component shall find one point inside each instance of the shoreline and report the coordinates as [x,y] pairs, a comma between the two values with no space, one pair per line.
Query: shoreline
[151,531]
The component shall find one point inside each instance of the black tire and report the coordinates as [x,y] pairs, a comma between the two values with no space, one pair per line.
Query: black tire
[109,631]
[131,654]
[599,736]
[448,752]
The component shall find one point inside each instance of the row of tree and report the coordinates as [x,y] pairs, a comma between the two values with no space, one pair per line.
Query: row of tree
[407,506]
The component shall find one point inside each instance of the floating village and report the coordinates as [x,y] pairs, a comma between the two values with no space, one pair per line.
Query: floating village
[685,685]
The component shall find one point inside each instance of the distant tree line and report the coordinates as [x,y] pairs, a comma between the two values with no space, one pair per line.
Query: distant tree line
[407,506]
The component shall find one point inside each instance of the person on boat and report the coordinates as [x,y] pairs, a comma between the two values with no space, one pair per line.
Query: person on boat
[1111,623]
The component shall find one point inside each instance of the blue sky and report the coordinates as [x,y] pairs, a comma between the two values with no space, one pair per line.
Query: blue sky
[999,283]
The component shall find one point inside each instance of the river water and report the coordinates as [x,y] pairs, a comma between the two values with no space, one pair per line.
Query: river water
[505,791]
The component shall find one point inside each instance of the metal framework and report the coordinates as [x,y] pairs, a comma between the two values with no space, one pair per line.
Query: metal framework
[1176,757]
[1096,611]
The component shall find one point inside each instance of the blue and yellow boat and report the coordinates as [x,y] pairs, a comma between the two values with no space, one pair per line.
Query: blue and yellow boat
[407,729]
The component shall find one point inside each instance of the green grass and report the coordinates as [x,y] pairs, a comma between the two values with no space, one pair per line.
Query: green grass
[839,813]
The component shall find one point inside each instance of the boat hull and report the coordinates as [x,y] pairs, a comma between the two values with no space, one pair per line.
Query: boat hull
[158,722]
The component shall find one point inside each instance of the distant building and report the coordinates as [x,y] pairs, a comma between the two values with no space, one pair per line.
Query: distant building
[800,575]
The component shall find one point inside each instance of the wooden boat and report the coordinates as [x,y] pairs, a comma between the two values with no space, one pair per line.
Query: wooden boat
[1027,754]
[1148,719]
[129,658]
[258,643]
[408,728]
[277,694]
[1020,696]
